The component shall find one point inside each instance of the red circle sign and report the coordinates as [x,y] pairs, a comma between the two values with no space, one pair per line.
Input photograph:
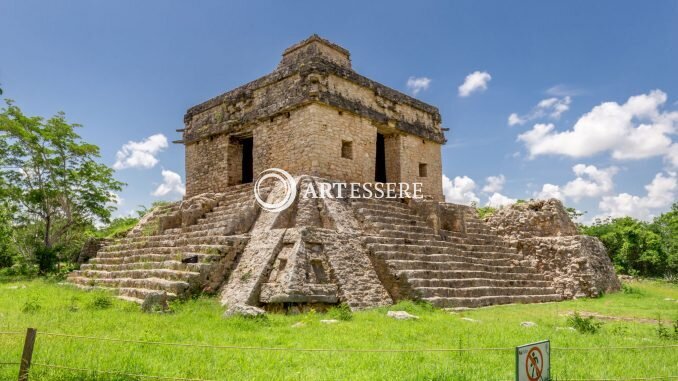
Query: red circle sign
[534,364]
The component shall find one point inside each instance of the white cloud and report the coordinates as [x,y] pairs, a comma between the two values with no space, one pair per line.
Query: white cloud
[549,107]
[661,193]
[498,200]
[494,184]
[672,155]
[564,90]
[171,184]
[474,82]
[590,182]
[140,154]
[515,119]
[634,130]
[549,191]
[417,84]
[460,190]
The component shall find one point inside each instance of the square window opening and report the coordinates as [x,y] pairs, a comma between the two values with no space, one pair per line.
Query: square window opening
[423,170]
[347,149]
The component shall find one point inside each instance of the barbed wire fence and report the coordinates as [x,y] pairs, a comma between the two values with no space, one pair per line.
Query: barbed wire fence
[26,363]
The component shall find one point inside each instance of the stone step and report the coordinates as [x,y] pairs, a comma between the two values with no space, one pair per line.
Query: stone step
[432,246]
[235,203]
[409,235]
[398,264]
[175,287]
[167,274]
[384,227]
[169,265]
[478,292]
[478,282]
[385,213]
[412,221]
[438,257]
[147,250]
[154,258]
[474,302]
[463,274]
[136,295]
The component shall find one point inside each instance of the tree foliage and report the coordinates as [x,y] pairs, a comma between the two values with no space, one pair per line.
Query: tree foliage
[640,248]
[50,178]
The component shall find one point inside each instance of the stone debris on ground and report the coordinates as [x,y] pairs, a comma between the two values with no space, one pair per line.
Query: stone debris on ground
[244,311]
[401,315]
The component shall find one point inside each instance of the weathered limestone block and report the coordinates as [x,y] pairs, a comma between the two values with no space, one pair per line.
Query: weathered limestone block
[255,264]
[577,265]
[537,218]
[542,231]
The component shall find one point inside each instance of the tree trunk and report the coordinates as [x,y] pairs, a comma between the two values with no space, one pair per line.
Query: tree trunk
[48,225]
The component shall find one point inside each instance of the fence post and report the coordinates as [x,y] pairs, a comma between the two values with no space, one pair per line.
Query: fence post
[27,354]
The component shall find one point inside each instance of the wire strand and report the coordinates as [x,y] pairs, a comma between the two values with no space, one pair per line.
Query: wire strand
[279,348]
[53,366]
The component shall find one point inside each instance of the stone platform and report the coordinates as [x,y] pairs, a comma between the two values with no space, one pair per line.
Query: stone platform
[362,252]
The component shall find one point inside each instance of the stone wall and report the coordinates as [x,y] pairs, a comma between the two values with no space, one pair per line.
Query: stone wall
[299,115]
[542,231]
[415,151]
[538,218]
[207,165]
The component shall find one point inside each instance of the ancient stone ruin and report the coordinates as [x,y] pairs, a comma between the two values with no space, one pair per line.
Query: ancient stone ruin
[316,118]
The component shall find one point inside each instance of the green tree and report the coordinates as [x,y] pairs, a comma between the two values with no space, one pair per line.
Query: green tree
[51,177]
[632,245]
[7,252]
[666,226]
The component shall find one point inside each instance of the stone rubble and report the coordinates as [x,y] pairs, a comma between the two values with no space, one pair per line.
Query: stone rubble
[401,315]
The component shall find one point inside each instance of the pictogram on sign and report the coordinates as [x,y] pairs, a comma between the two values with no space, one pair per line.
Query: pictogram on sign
[533,362]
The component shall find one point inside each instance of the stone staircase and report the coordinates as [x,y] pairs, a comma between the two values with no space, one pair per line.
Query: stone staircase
[178,261]
[469,268]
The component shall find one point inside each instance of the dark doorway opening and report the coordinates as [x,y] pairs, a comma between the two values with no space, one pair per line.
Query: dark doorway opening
[380,167]
[247,162]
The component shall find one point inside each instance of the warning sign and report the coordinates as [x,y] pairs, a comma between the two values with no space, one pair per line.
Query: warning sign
[533,362]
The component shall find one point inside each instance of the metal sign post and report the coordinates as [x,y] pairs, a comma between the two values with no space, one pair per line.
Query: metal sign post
[533,362]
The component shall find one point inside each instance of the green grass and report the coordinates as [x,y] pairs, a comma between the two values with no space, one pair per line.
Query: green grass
[50,307]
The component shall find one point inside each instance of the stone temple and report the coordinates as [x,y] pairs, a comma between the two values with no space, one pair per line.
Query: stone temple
[322,122]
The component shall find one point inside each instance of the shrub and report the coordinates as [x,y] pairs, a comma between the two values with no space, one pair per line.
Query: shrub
[341,312]
[630,290]
[102,302]
[582,324]
[31,306]
[46,258]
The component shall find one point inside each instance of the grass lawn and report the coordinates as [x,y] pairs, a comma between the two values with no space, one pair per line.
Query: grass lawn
[53,308]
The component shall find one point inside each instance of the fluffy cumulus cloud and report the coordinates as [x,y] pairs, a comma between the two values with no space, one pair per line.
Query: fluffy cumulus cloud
[497,200]
[550,191]
[171,184]
[661,193]
[474,82]
[589,182]
[549,107]
[636,129]
[461,190]
[417,84]
[140,154]
[494,184]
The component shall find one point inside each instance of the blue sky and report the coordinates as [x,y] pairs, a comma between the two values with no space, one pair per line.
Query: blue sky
[128,70]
